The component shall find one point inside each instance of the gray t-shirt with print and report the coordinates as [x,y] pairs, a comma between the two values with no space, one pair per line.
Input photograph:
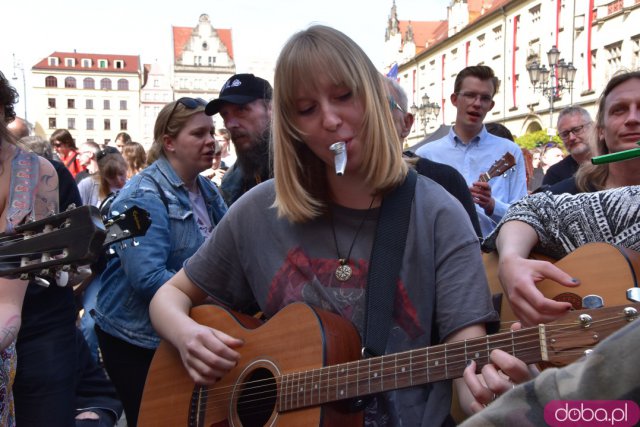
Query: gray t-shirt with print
[254,257]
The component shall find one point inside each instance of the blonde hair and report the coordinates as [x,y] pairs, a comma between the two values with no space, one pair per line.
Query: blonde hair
[301,187]
[179,116]
[590,177]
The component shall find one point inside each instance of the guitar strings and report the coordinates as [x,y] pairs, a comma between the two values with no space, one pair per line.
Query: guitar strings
[254,390]
[469,348]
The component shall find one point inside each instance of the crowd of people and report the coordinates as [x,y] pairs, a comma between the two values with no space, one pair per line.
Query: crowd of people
[253,216]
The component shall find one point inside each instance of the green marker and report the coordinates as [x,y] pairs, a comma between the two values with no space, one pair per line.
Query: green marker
[617,157]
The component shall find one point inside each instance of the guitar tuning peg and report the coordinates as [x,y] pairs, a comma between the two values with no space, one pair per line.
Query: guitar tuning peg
[40,281]
[71,207]
[135,243]
[633,294]
[65,268]
[111,251]
[115,213]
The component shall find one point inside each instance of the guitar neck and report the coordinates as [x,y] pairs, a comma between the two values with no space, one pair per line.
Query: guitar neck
[406,369]
[485,177]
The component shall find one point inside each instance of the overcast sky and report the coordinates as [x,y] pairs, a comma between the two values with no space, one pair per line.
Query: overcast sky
[33,29]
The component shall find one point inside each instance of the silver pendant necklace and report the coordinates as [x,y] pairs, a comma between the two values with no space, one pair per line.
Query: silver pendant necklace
[344,270]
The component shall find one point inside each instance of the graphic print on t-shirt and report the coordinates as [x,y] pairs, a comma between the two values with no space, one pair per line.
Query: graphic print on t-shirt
[302,278]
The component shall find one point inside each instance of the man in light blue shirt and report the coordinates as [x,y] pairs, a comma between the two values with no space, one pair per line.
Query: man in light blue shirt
[472,150]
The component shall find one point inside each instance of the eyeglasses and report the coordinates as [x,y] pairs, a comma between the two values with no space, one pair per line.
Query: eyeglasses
[472,96]
[190,103]
[394,105]
[576,131]
[57,144]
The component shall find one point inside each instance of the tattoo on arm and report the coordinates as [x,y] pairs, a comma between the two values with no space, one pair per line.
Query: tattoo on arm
[46,201]
[9,331]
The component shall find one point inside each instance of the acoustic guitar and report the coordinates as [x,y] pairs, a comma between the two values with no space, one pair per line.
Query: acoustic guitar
[303,365]
[499,167]
[605,271]
[65,240]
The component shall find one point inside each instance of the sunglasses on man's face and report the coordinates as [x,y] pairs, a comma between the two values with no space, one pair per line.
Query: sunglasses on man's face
[189,103]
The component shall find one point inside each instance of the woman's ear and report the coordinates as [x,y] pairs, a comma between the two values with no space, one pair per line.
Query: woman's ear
[167,143]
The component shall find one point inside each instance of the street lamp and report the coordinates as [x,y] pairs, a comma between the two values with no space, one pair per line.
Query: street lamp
[553,80]
[19,66]
[425,111]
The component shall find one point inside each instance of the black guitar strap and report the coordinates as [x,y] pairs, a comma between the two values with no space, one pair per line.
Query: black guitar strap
[384,266]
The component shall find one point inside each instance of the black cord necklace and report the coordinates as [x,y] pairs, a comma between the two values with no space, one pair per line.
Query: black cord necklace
[344,270]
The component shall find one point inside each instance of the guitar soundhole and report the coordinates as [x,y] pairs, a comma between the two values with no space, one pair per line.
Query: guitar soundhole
[257,398]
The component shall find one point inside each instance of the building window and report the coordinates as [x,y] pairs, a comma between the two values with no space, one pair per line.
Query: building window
[70,82]
[69,62]
[52,123]
[119,64]
[107,124]
[89,83]
[123,84]
[52,103]
[103,63]
[123,124]
[52,61]
[635,53]
[106,105]
[197,60]
[123,104]
[71,103]
[89,124]
[481,41]
[107,141]
[614,58]
[51,81]
[156,83]
[89,104]
[86,63]
[105,84]
[212,60]
[71,123]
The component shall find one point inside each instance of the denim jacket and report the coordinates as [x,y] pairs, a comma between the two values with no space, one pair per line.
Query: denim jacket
[132,277]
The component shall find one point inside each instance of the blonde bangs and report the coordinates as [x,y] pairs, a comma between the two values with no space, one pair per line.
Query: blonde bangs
[300,191]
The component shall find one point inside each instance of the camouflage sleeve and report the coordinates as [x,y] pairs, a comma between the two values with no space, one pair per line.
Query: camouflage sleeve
[609,373]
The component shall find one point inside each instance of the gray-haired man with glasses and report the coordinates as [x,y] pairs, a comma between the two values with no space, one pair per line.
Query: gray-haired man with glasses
[574,126]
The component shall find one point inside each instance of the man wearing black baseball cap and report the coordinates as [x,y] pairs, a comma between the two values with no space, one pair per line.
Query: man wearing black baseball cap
[245,107]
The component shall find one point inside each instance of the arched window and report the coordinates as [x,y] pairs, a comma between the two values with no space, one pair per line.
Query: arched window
[105,84]
[123,84]
[51,81]
[89,83]
[70,82]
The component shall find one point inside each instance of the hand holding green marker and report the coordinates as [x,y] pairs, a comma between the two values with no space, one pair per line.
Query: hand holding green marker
[617,157]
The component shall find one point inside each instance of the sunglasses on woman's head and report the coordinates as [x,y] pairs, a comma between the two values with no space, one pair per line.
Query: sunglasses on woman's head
[189,103]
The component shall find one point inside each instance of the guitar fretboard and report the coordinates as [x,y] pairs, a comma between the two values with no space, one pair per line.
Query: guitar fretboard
[400,370]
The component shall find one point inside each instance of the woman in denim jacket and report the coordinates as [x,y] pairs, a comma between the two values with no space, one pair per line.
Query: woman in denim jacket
[181,218]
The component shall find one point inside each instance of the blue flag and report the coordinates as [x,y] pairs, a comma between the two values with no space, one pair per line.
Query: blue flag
[393,72]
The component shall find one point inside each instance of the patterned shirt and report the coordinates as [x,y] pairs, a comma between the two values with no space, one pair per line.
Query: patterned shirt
[565,222]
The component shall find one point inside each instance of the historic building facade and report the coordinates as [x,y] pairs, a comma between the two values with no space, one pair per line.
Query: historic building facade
[95,96]
[203,59]
[156,92]
[597,37]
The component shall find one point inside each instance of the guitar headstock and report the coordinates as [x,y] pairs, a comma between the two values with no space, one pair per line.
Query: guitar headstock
[71,237]
[502,165]
[133,222]
[569,337]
